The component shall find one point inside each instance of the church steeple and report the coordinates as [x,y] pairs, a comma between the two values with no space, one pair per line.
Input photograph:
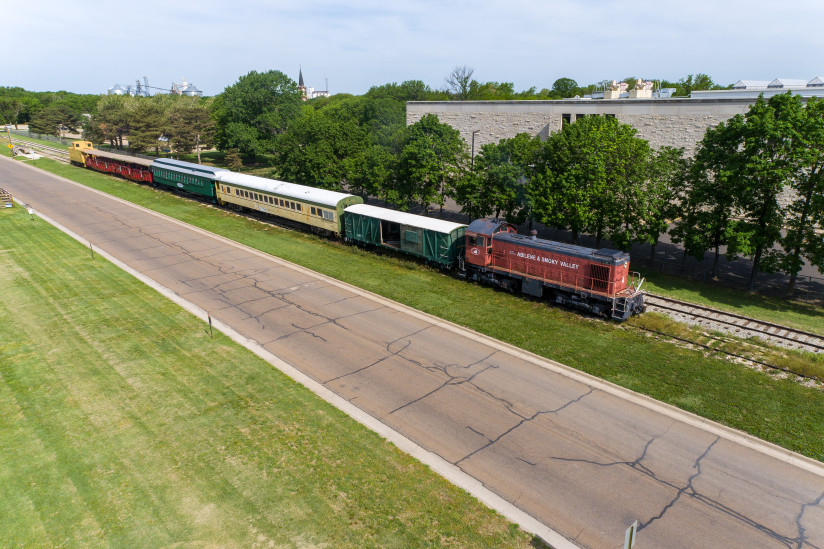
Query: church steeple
[301,86]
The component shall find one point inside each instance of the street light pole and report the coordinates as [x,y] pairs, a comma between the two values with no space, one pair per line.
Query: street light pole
[472,169]
[473,147]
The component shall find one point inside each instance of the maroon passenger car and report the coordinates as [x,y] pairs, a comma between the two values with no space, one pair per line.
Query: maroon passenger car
[130,167]
[598,281]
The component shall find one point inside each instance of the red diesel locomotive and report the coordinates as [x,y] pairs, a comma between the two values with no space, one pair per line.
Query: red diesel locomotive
[598,281]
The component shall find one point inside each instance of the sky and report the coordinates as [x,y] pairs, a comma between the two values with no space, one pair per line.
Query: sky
[87,47]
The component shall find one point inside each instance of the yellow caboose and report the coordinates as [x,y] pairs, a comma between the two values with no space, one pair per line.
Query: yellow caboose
[76,152]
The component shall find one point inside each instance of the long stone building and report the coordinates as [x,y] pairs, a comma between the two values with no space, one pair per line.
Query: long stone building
[675,122]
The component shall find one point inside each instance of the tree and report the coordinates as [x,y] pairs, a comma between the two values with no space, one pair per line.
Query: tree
[148,124]
[373,173]
[701,81]
[589,178]
[663,194]
[55,120]
[233,160]
[432,159]
[498,182]
[251,113]
[565,87]
[625,203]
[320,147]
[191,126]
[458,81]
[113,119]
[804,217]
[10,108]
[709,205]
[568,178]
[763,161]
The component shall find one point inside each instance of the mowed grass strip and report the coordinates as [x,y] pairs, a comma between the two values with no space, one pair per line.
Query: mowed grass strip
[122,423]
[772,408]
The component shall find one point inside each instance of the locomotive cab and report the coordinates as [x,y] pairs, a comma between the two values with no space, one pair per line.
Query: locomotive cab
[479,236]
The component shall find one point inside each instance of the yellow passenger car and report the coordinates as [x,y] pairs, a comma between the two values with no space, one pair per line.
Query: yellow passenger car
[318,208]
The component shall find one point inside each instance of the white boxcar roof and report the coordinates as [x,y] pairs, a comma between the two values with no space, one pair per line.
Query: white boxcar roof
[282,188]
[403,218]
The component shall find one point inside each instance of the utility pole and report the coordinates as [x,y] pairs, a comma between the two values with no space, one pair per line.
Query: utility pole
[11,144]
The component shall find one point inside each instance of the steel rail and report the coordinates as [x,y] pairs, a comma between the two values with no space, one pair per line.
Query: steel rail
[61,155]
[783,335]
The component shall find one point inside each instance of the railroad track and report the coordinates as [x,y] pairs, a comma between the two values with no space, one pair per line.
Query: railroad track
[735,324]
[55,153]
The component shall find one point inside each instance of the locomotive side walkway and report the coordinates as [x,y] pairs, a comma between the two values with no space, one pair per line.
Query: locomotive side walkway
[583,457]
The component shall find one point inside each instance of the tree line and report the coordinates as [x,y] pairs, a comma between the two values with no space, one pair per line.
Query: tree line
[172,123]
[594,177]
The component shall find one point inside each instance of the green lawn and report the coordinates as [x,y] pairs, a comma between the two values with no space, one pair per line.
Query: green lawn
[778,410]
[123,424]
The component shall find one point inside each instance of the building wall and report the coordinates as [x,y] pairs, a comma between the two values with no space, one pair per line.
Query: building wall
[672,122]
[663,130]
[663,122]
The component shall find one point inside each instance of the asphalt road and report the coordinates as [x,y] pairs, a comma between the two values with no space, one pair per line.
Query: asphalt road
[583,457]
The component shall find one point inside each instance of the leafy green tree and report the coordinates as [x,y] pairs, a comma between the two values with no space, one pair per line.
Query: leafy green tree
[409,90]
[708,207]
[700,81]
[565,87]
[589,178]
[490,91]
[10,108]
[568,178]
[372,173]
[432,159]
[804,217]
[625,204]
[320,147]
[663,194]
[763,161]
[251,113]
[497,184]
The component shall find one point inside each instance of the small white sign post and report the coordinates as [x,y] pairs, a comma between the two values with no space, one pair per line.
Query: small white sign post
[629,538]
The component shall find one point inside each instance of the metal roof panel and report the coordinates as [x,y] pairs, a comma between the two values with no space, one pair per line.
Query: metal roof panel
[403,218]
[282,188]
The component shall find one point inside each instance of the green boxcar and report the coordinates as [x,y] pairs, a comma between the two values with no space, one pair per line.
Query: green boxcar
[186,176]
[435,240]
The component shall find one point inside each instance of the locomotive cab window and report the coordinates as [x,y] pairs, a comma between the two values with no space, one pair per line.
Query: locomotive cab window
[477,240]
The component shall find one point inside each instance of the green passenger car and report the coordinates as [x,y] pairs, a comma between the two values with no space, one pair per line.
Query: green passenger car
[185,176]
[435,240]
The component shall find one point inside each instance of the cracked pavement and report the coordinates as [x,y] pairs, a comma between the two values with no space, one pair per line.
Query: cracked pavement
[583,461]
